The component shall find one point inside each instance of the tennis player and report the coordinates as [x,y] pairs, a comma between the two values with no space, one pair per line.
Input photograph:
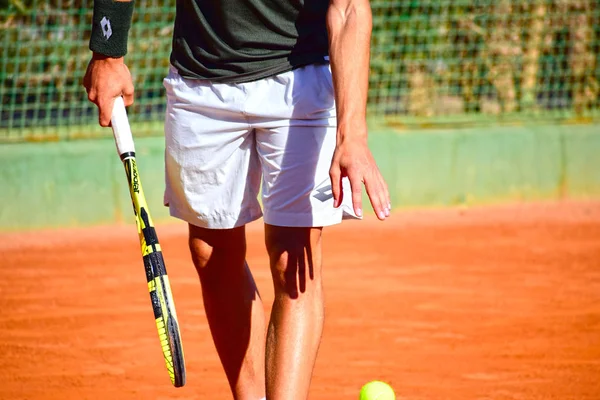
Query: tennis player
[269,92]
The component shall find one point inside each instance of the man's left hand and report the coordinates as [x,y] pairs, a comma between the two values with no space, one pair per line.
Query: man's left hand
[352,158]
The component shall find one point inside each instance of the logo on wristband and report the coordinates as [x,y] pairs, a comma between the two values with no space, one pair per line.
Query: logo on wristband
[106,29]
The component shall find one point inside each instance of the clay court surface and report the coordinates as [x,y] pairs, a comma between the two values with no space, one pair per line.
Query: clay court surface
[489,303]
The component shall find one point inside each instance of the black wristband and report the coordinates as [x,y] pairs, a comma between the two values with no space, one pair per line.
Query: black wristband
[111,23]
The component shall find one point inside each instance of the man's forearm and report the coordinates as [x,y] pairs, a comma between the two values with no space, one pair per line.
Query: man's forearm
[107,77]
[349,23]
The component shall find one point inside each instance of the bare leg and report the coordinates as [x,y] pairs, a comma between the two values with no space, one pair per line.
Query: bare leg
[296,322]
[233,307]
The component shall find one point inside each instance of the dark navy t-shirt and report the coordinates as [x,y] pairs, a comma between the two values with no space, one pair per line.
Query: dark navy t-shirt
[245,40]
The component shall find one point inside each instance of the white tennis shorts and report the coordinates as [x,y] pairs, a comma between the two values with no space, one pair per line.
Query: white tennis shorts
[222,138]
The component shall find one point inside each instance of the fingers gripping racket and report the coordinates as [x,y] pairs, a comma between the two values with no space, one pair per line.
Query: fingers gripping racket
[156,273]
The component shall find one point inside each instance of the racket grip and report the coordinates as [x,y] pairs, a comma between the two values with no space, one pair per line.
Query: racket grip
[121,128]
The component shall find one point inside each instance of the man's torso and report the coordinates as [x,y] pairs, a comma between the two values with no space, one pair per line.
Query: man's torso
[246,40]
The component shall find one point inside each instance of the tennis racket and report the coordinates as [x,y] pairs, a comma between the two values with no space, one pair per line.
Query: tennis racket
[156,273]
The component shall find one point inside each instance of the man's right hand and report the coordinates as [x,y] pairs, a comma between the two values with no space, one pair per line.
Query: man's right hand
[105,79]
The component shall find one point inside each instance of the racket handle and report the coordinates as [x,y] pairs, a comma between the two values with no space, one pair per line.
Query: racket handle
[121,128]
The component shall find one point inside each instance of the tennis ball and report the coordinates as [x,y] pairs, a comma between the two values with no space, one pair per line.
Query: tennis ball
[377,390]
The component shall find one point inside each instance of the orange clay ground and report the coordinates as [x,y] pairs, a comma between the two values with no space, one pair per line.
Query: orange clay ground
[489,303]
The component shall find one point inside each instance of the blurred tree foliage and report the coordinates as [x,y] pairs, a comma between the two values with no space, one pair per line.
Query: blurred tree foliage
[45,54]
[523,55]
[429,58]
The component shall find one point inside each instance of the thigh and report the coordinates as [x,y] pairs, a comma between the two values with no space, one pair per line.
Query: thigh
[212,169]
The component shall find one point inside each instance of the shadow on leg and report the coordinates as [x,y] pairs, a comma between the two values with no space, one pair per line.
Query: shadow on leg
[296,322]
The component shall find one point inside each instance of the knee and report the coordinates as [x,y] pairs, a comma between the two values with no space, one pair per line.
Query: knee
[294,255]
[288,271]
[210,247]
[201,253]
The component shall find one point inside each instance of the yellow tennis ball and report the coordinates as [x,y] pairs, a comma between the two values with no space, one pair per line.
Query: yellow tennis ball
[377,390]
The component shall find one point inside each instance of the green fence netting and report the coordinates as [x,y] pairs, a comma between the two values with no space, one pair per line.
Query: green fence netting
[444,62]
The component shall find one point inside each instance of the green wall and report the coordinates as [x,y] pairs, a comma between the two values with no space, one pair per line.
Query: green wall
[74,183]
[78,183]
[490,165]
